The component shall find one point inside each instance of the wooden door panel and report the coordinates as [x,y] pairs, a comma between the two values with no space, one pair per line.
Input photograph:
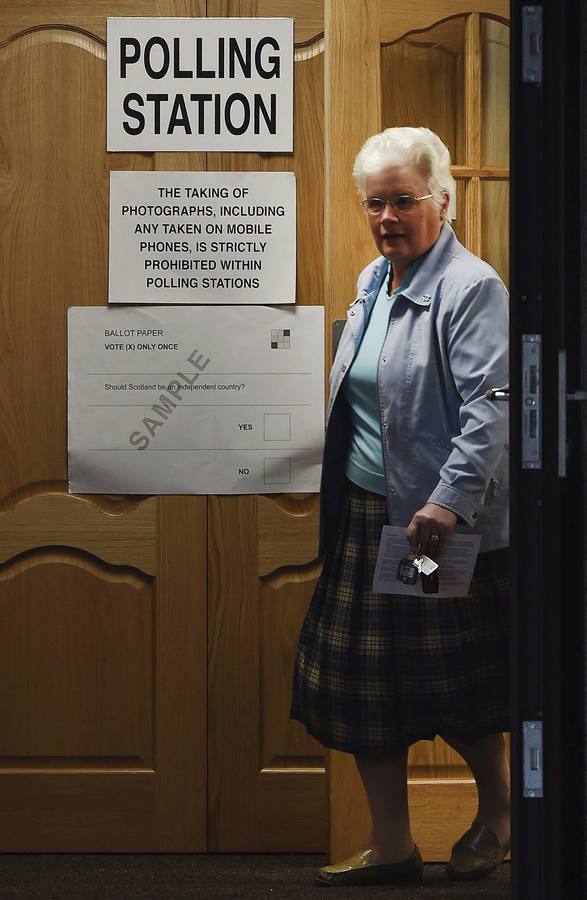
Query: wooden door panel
[267,784]
[79,629]
[48,812]
[308,15]
[102,673]
[422,77]
[285,744]
[52,210]
[267,777]
[103,599]
[423,80]
[281,539]
[23,15]
[58,518]
[397,20]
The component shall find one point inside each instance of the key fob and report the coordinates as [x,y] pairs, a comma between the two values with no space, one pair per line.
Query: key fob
[430,584]
[407,572]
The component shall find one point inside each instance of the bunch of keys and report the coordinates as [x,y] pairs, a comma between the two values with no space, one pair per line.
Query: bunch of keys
[418,564]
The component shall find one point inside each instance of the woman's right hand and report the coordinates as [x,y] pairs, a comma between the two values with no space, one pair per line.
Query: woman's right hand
[430,529]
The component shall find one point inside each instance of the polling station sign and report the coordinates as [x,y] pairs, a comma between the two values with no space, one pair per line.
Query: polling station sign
[200,84]
[202,237]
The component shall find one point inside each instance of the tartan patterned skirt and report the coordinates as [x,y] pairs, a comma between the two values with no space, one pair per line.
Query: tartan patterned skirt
[375,672]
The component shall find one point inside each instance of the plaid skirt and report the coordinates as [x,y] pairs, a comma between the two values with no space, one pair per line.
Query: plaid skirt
[375,672]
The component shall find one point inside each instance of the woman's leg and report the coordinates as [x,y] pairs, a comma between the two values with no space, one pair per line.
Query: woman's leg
[385,781]
[488,761]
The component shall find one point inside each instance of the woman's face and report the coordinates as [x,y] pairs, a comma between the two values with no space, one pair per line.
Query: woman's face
[403,237]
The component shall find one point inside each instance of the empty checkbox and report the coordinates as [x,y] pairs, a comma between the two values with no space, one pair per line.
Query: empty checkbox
[277,470]
[277,427]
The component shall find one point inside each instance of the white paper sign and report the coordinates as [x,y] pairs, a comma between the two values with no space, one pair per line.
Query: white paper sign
[202,237]
[195,400]
[200,84]
[455,565]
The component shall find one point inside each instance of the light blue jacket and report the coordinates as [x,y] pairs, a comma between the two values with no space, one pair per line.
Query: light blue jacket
[443,441]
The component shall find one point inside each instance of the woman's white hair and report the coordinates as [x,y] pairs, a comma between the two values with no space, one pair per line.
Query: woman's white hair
[419,147]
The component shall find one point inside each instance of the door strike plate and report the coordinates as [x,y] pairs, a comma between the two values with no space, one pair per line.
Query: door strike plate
[532,742]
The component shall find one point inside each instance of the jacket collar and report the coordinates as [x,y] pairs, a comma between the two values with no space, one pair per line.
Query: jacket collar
[423,284]
[373,278]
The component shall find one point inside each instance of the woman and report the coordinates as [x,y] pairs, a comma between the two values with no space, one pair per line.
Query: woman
[411,440]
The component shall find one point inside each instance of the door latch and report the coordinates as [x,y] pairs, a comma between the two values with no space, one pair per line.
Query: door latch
[532,745]
[531,407]
[532,44]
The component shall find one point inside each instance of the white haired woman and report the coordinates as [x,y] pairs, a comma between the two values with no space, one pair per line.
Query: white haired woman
[412,440]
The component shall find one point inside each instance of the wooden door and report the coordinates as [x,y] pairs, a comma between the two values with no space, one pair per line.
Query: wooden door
[267,783]
[443,64]
[103,607]
[104,654]
[102,599]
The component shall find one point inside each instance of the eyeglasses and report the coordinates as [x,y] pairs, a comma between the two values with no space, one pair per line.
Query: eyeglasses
[401,204]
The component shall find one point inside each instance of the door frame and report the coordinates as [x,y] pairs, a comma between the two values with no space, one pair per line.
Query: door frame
[548,255]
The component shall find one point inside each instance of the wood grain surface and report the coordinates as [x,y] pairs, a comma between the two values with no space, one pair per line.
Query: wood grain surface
[103,606]
[398,19]
[286,538]
[266,777]
[75,635]
[62,519]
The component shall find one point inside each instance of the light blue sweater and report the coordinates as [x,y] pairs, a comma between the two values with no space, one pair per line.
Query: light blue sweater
[364,463]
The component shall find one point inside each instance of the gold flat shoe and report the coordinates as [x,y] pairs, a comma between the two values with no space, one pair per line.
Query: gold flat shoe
[476,854]
[360,869]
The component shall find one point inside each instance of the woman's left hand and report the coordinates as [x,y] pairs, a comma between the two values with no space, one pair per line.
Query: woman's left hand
[430,529]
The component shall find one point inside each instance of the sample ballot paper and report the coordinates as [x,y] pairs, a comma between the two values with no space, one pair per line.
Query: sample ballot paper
[198,400]
[455,565]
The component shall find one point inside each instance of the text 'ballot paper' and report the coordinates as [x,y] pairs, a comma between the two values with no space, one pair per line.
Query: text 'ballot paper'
[202,237]
[455,565]
[195,400]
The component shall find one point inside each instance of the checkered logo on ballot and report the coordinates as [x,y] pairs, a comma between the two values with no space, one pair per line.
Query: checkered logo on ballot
[280,338]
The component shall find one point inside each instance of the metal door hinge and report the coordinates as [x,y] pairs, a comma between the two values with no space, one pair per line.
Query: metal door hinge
[531,411]
[532,44]
[532,740]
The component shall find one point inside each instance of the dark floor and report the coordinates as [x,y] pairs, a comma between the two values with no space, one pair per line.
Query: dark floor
[93,876]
